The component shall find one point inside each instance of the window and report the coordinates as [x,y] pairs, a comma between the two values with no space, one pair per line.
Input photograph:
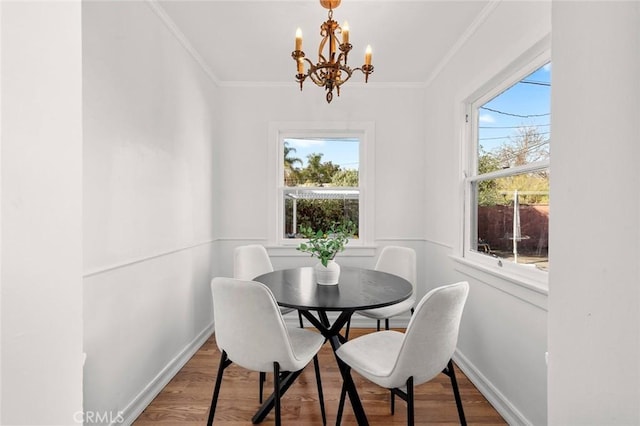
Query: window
[320,186]
[507,184]
[322,173]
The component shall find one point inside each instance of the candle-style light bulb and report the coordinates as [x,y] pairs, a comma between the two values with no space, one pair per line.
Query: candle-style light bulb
[345,32]
[298,39]
[367,55]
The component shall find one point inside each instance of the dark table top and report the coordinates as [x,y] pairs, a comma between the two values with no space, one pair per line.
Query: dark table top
[357,289]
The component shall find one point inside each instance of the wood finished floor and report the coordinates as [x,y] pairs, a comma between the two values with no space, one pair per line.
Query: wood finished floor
[186,399]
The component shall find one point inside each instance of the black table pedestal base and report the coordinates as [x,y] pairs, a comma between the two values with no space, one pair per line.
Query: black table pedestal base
[285,384]
[332,334]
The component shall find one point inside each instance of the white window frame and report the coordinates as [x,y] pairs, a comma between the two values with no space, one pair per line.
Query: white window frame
[278,131]
[521,274]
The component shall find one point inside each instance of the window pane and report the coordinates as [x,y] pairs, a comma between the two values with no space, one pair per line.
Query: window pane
[510,214]
[319,208]
[320,183]
[321,161]
[514,127]
[512,218]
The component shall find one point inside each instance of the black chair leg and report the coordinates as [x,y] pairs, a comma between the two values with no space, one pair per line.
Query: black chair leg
[263,378]
[343,395]
[346,334]
[300,319]
[456,392]
[316,366]
[276,391]
[393,402]
[410,406]
[386,323]
[378,325]
[224,363]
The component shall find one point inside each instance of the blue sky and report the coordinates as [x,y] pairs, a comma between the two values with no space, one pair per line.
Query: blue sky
[524,104]
[344,151]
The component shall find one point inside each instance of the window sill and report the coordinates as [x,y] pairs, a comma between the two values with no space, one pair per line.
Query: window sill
[524,288]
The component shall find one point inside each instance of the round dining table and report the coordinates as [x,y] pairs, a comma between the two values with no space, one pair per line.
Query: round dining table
[357,289]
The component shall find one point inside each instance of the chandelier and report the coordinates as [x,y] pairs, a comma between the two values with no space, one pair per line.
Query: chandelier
[332,70]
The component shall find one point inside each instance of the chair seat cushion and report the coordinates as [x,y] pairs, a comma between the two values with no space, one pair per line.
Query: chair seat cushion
[374,355]
[389,311]
[305,345]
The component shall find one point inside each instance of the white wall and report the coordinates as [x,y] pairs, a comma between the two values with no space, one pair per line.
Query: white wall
[503,335]
[150,129]
[396,114]
[594,296]
[41,165]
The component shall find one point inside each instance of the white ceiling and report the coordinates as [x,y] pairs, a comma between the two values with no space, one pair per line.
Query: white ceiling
[242,42]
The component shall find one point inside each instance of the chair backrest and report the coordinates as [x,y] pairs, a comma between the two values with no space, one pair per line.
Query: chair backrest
[432,334]
[399,261]
[249,326]
[250,261]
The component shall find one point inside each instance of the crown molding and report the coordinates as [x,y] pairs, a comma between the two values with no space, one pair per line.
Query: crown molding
[182,39]
[462,40]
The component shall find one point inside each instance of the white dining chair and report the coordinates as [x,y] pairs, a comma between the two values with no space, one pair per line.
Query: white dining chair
[250,261]
[399,361]
[250,332]
[400,261]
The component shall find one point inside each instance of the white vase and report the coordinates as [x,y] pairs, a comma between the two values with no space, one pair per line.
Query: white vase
[327,275]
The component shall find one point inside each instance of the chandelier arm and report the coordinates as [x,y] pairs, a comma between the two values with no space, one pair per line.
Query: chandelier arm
[307,60]
[319,75]
[348,71]
[342,56]
[321,47]
[366,70]
[319,80]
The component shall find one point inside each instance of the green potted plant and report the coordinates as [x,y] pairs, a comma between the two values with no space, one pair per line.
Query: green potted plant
[325,246]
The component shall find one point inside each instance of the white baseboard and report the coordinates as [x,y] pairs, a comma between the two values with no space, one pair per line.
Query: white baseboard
[502,405]
[144,398]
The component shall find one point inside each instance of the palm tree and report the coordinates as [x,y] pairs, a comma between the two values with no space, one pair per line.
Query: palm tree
[290,172]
